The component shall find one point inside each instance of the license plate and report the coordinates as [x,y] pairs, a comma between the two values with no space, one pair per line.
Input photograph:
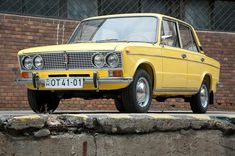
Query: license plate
[64,82]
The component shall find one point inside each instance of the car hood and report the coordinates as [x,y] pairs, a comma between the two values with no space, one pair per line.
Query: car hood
[113,46]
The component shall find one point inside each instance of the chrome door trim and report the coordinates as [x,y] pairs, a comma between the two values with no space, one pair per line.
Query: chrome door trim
[176,90]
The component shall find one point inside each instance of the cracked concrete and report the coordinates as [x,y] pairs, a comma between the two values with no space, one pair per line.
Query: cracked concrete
[117,134]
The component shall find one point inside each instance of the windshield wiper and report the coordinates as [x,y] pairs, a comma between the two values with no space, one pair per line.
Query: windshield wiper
[84,41]
[117,40]
[111,40]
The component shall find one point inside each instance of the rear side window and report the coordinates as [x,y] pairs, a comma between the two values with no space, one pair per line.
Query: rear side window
[169,35]
[187,39]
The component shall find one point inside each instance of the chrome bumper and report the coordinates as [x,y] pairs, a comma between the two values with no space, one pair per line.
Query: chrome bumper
[36,81]
[86,80]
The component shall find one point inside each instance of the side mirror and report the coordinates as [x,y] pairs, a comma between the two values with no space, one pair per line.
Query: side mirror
[165,39]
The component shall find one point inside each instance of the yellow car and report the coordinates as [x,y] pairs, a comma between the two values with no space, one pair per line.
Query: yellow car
[131,58]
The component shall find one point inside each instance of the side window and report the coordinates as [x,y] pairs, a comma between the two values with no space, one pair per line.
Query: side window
[169,35]
[188,41]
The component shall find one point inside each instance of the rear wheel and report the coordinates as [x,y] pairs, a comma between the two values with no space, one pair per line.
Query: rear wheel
[199,102]
[42,101]
[137,97]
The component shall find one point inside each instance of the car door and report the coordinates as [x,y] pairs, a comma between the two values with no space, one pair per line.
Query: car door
[174,61]
[195,58]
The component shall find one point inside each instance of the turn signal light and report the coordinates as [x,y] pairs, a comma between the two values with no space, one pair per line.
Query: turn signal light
[117,73]
[24,75]
[127,51]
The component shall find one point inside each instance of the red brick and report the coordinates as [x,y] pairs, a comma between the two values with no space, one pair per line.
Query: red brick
[19,32]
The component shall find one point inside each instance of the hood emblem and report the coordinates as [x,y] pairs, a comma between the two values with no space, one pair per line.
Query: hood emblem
[66,60]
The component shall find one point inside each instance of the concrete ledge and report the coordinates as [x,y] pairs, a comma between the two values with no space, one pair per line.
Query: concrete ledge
[116,123]
[117,134]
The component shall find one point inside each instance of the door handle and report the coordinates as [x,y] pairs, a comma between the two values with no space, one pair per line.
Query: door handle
[183,56]
[202,59]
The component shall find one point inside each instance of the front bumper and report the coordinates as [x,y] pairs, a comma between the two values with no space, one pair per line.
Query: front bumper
[95,80]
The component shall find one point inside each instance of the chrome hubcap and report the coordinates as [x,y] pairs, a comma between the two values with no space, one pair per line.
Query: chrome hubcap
[204,96]
[142,92]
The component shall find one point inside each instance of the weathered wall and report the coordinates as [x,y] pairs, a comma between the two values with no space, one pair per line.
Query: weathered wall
[191,143]
[117,135]
[19,32]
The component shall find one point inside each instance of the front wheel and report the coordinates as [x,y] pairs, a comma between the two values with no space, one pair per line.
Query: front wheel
[42,101]
[199,102]
[137,97]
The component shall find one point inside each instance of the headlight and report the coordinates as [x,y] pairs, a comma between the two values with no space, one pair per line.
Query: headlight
[112,60]
[98,60]
[38,62]
[27,62]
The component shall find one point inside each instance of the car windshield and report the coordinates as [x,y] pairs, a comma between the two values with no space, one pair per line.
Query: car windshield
[121,29]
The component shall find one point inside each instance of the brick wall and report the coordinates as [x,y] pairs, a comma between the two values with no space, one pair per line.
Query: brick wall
[19,32]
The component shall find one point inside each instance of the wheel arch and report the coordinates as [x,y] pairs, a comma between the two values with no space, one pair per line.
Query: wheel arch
[208,78]
[148,66]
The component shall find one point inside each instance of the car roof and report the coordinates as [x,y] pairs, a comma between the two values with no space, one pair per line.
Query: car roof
[137,15]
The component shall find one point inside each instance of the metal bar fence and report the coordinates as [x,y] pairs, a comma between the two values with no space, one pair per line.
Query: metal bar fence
[216,15]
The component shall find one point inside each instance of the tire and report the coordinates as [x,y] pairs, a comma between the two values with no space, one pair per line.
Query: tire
[42,101]
[119,105]
[137,97]
[200,101]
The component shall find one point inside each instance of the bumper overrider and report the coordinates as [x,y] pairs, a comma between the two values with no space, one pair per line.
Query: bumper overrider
[95,80]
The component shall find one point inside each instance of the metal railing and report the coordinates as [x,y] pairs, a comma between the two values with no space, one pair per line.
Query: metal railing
[218,15]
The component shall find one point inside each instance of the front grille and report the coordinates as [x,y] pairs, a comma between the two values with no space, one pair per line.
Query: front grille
[76,60]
